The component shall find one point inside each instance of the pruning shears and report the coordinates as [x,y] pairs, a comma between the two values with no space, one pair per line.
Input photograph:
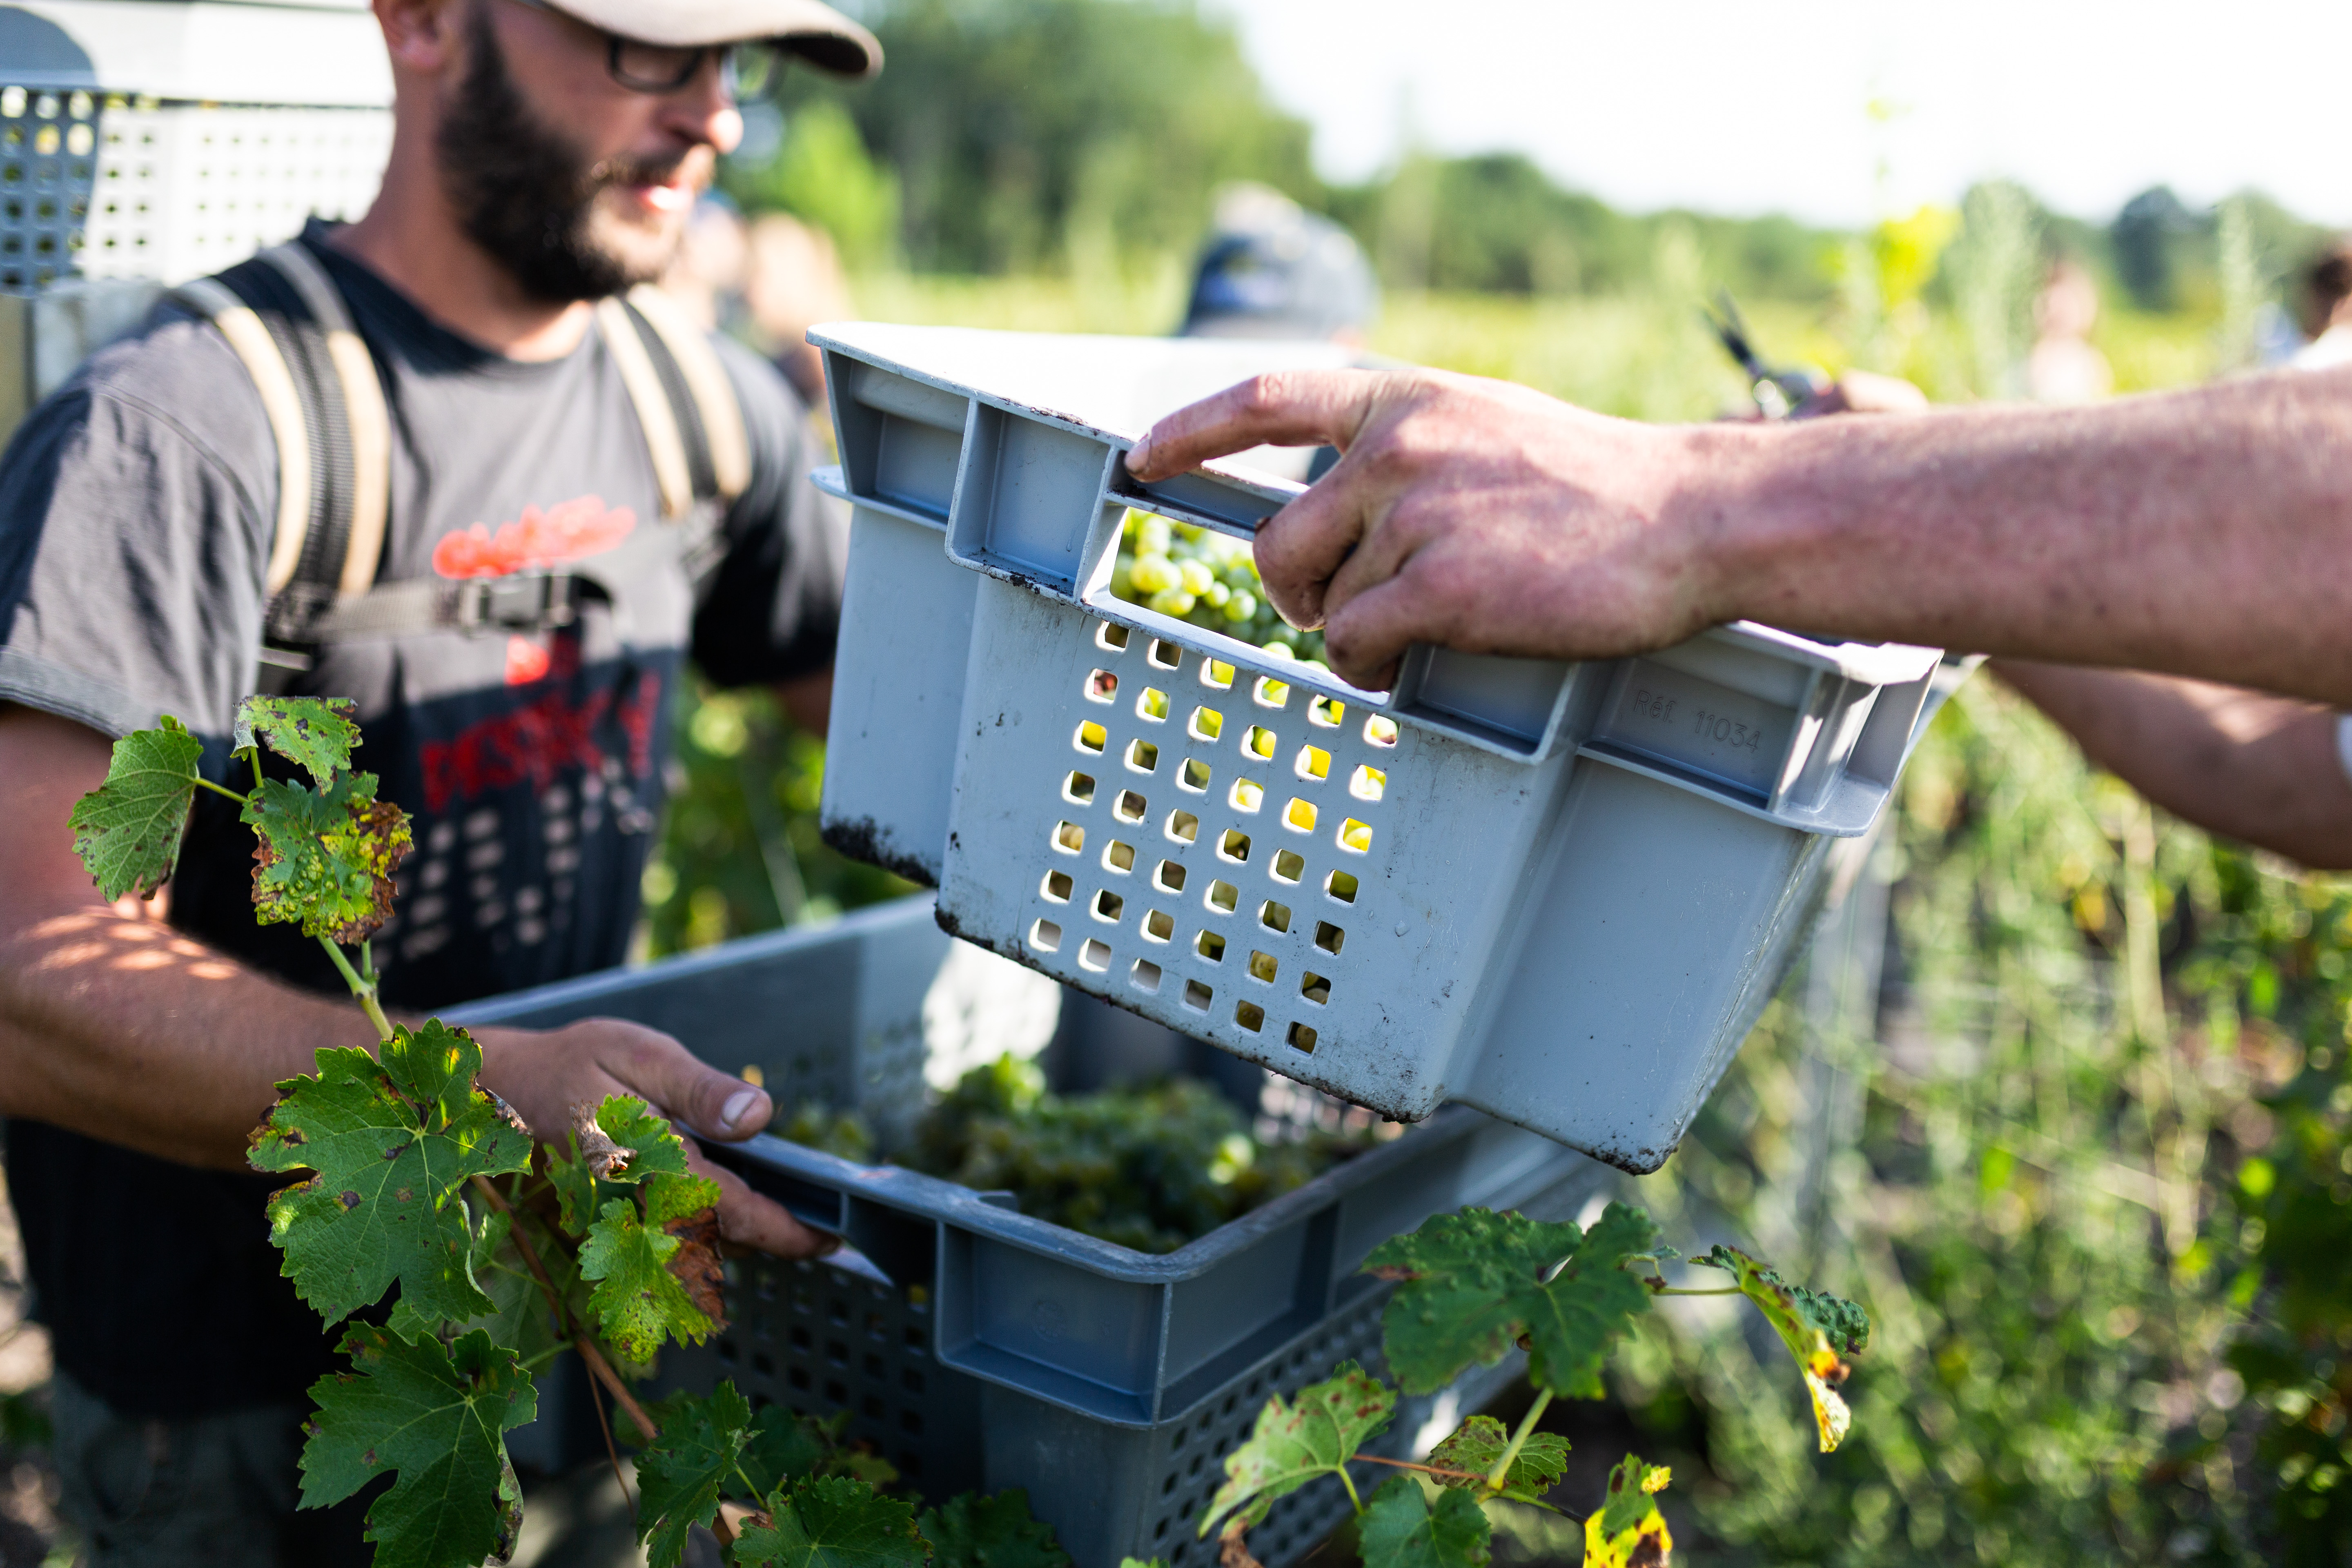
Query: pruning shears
[1780,393]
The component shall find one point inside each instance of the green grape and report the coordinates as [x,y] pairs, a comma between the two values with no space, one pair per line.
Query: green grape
[1241,604]
[1197,576]
[1217,596]
[1174,602]
[1153,537]
[1155,574]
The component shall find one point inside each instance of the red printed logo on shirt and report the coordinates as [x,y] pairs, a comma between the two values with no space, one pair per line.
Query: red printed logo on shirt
[568,531]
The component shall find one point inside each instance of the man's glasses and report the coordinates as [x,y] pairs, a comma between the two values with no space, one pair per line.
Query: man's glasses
[747,70]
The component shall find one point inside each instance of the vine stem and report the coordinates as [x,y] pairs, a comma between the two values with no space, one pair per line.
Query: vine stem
[364,989]
[217,789]
[1501,1473]
[1693,1290]
[580,1339]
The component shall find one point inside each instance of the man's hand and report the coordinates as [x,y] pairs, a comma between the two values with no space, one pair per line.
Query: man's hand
[1466,512]
[543,1075]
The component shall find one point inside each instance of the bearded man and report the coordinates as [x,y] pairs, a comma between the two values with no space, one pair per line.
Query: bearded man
[546,155]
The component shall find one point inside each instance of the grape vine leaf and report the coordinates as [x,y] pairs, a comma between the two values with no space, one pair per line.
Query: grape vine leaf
[682,1477]
[993,1532]
[1477,1445]
[1401,1529]
[393,1143]
[128,830]
[1294,1443]
[1627,1531]
[326,857]
[637,1301]
[1477,1281]
[315,733]
[643,1138]
[833,1521]
[1134,1562]
[1820,1329]
[437,1417]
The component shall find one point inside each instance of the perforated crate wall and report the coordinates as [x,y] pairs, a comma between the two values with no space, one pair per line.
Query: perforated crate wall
[103,185]
[1216,836]
[48,157]
[820,1340]
[186,189]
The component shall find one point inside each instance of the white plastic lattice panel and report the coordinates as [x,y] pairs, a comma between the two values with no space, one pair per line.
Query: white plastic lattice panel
[184,190]
[1251,862]
[48,145]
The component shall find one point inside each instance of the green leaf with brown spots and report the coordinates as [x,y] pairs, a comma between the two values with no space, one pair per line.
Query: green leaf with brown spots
[1294,1442]
[437,1417]
[1478,1445]
[127,829]
[1476,1282]
[1821,1332]
[638,1300]
[1627,1531]
[315,733]
[393,1144]
[326,857]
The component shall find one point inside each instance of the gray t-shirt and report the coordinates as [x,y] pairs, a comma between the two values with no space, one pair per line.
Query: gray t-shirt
[137,508]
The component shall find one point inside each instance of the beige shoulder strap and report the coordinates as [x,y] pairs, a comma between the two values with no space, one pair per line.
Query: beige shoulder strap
[363,411]
[258,352]
[666,446]
[706,379]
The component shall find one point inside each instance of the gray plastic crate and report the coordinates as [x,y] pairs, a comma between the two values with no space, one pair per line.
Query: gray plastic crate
[973,1346]
[1558,892]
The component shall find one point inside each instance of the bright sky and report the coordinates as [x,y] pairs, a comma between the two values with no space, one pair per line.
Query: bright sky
[1747,107]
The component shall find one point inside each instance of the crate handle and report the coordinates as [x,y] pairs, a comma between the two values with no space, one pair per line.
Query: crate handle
[1227,503]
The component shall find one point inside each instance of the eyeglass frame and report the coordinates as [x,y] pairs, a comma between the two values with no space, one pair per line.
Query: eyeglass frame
[730,74]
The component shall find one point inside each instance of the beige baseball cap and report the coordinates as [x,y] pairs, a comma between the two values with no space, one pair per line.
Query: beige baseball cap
[817,32]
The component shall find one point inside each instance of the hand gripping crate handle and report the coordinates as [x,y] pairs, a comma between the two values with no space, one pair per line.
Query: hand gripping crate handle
[1226,503]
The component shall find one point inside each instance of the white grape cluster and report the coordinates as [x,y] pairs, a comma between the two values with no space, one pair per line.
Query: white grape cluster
[1207,579]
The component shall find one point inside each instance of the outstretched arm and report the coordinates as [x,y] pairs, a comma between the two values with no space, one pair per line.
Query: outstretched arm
[113,1026]
[2204,533]
[2254,767]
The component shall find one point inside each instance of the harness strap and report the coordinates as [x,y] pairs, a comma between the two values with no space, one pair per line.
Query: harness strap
[258,352]
[713,396]
[655,412]
[364,409]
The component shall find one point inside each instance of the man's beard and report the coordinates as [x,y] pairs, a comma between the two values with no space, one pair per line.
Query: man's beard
[525,193]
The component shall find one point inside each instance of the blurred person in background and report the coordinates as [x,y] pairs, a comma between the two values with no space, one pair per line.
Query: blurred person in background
[2062,367]
[793,280]
[1270,268]
[2328,309]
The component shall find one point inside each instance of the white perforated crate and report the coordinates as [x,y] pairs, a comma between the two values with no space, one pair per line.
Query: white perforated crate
[1560,893]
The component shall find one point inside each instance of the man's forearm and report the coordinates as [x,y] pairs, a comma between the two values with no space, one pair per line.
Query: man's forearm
[120,1028]
[2243,763]
[2206,533]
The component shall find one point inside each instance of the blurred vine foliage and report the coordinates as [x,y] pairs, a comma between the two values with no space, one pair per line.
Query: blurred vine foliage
[739,851]
[2090,1181]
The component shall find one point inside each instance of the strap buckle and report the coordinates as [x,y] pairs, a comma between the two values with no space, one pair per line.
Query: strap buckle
[521,602]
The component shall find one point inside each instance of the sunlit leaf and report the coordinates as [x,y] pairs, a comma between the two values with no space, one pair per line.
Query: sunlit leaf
[1294,1442]
[326,858]
[315,733]
[1476,1282]
[127,829]
[1477,1445]
[1402,1528]
[637,1301]
[1820,1329]
[1627,1531]
[393,1143]
[437,1417]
